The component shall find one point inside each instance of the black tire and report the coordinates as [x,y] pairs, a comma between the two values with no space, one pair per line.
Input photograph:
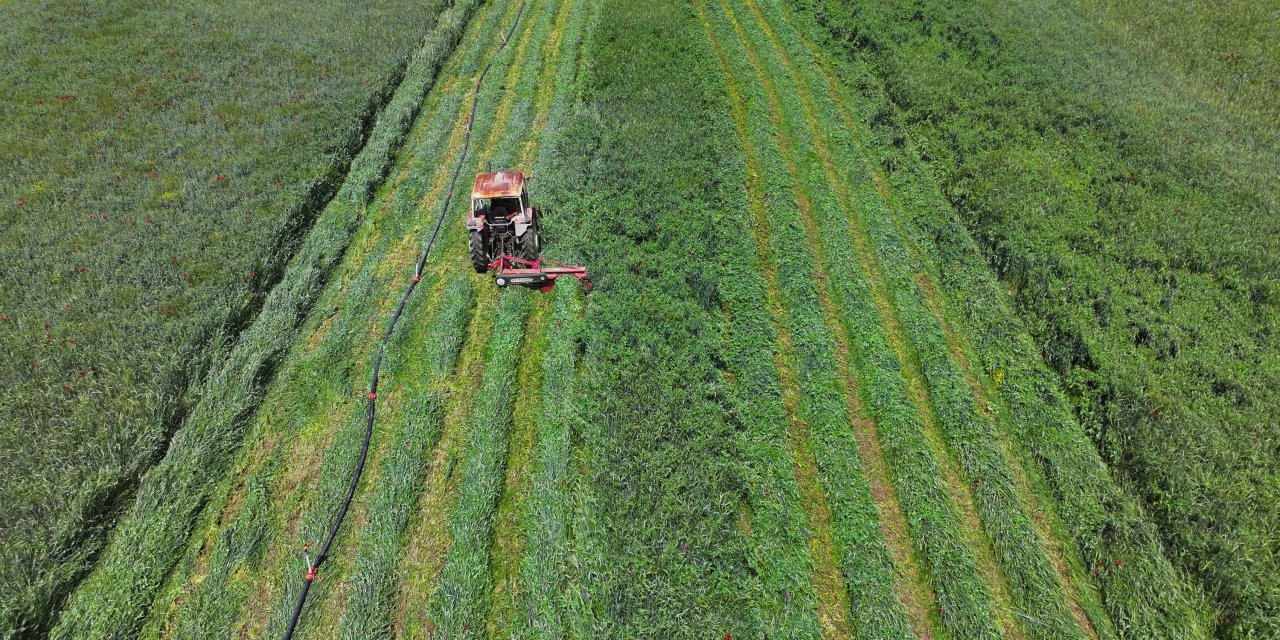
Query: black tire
[529,245]
[479,257]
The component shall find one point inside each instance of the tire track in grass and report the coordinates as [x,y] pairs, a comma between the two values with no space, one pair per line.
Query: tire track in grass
[1083,600]
[806,335]
[835,187]
[508,540]
[956,583]
[1017,544]
[393,449]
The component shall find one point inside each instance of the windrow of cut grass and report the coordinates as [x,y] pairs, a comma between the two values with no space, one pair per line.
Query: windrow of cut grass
[315,387]
[964,604]
[545,515]
[162,165]
[458,562]
[509,613]
[496,126]
[152,535]
[458,609]
[1032,580]
[1146,598]
[1130,219]
[867,584]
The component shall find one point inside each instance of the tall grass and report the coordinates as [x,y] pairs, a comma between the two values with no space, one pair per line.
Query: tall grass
[151,536]
[161,166]
[655,477]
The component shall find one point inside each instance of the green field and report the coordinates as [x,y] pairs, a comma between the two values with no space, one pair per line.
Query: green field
[908,321]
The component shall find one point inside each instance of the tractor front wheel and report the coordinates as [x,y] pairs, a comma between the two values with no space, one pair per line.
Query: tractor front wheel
[479,257]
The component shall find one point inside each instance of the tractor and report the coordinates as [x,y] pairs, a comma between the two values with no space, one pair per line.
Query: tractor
[502,220]
[503,234]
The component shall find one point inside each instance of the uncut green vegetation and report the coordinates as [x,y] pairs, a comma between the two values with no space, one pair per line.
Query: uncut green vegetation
[161,165]
[1134,224]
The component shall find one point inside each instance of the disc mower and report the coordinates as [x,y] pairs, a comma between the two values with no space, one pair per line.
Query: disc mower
[503,234]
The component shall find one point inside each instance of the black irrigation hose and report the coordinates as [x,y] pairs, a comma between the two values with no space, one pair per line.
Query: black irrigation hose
[323,551]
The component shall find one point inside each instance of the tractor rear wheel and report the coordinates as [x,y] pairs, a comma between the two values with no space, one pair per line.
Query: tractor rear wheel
[479,257]
[529,245]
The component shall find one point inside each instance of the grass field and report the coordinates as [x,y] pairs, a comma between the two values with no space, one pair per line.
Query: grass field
[803,398]
[1116,163]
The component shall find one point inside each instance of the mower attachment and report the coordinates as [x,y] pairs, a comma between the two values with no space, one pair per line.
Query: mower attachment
[517,271]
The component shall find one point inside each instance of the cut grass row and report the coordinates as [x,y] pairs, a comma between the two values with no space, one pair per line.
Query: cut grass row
[545,517]
[146,544]
[340,344]
[473,593]
[494,124]
[1147,598]
[458,609]
[1082,596]
[864,558]
[369,611]
[158,179]
[964,600]
[1019,551]
[512,144]
[510,613]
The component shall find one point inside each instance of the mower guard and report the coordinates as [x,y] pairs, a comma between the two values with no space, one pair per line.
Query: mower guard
[515,271]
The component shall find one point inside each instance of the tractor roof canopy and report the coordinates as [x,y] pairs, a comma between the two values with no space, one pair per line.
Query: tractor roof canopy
[502,184]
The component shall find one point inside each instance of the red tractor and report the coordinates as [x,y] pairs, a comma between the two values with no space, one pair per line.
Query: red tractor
[503,230]
[503,221]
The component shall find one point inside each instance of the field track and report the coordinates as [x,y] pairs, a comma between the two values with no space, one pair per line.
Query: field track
[869,480]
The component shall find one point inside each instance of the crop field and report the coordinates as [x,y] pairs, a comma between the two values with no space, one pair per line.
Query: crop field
[806,396]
